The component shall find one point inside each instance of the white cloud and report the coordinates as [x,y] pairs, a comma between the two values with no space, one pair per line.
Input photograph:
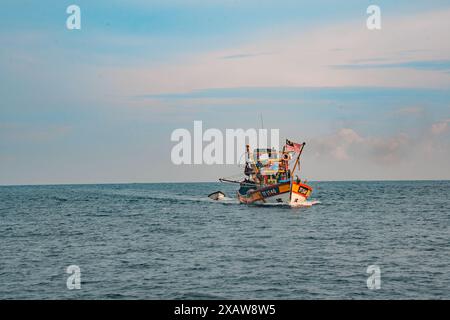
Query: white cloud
[440,127]
[388,151]
[347,144]
[300,58]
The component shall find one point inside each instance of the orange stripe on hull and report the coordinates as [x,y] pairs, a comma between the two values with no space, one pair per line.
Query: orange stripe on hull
[275,190]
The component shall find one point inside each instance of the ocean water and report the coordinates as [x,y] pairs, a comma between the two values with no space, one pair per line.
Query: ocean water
[169,241]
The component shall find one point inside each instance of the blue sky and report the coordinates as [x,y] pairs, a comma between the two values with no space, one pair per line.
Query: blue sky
[99,104]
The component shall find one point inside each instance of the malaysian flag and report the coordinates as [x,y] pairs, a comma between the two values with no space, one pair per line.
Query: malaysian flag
[292,146]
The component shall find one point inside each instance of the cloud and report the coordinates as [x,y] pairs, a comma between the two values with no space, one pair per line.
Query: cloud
[432,65]
[348,145]
[303,59]
[243,55]
[390,150]
[344,139]
[410,111]
[314,93]
[336,145]
[440,127]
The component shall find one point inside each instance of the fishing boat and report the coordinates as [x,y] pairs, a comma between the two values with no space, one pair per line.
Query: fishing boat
[269,178]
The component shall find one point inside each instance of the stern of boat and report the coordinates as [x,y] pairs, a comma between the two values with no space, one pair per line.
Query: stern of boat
[300,192]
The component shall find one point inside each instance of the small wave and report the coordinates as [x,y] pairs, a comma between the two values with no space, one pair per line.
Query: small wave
[306,204]
[228,200]
[225,200]
[59,199]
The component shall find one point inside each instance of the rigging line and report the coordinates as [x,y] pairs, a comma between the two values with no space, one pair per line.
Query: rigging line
[240,182]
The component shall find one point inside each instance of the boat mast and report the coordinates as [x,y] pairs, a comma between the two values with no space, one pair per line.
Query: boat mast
[298,158]
[293,169]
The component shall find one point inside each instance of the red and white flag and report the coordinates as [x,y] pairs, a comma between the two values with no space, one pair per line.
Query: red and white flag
[292,146]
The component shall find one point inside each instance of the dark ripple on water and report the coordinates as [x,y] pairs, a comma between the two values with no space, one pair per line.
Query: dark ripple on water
[144,241]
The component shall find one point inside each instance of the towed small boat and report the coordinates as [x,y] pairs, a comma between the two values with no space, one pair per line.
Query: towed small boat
[218,195]
[269,179]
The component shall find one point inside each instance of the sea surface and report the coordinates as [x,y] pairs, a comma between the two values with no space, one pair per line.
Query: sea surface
[169,241]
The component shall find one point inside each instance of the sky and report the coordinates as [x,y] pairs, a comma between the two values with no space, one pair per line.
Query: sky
[99,104]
